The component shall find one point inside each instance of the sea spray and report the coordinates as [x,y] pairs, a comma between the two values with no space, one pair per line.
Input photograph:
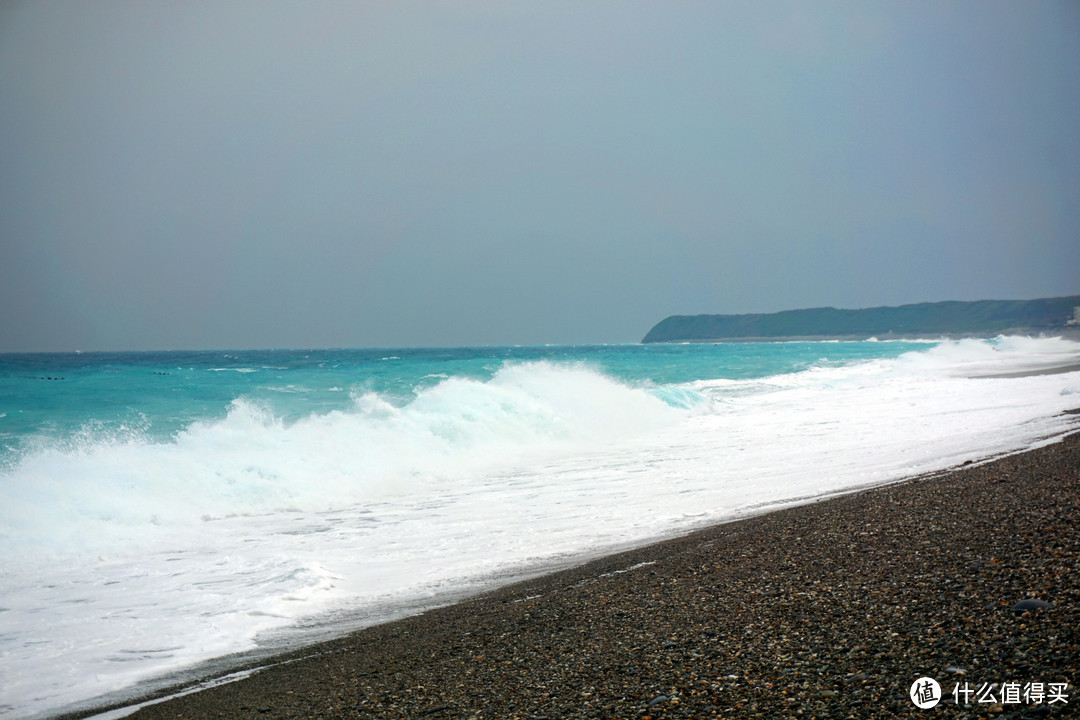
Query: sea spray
[108,489]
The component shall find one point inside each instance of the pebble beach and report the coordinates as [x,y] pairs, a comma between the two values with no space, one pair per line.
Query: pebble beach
[827,610]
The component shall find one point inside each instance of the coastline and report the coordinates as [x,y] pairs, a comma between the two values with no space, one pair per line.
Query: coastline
[1065,332]
[832,608]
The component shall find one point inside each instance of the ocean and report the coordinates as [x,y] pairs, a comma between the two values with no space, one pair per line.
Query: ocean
[164,514]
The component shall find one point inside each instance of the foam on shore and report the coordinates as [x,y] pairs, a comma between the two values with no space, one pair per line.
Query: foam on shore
[834,607]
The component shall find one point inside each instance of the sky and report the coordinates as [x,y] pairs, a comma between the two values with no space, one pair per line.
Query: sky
[221,174]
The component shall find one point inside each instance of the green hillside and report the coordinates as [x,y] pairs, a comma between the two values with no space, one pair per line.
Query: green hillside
[983,317]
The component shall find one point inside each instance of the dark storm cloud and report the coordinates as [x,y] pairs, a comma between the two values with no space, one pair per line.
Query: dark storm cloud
[296,174]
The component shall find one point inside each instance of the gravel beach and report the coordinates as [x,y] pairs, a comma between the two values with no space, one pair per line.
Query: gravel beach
[828,610]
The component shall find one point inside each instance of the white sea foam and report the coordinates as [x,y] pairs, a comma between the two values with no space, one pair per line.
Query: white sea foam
[114,487]
[125,558]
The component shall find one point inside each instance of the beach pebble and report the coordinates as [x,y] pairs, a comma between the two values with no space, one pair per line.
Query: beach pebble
[1031,604]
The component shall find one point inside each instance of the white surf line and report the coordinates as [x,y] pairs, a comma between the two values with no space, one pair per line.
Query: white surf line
[198,687]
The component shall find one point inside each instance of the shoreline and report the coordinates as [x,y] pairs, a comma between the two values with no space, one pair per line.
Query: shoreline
[1031,373]
[833,607]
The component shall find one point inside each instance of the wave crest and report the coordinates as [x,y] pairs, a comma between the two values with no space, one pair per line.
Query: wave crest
[103,489]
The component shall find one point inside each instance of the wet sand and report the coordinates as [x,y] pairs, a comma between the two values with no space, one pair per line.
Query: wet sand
[828,610]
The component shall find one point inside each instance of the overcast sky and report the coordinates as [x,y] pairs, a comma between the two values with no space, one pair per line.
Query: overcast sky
[303,174]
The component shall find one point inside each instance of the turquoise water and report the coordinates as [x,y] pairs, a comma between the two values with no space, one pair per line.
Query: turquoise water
[66,397]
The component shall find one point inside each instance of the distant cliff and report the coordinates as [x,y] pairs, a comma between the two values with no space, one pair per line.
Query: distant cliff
[984,317]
